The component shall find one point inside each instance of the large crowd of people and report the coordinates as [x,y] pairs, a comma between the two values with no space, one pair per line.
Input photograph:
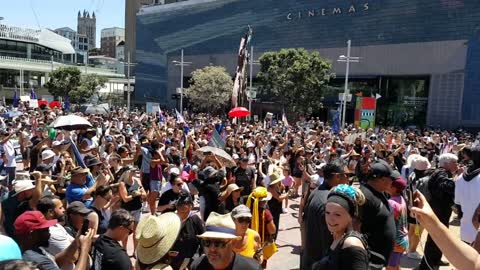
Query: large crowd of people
[136,190]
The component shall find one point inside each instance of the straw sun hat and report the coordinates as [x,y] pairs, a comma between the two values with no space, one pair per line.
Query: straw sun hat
[274,178]
[231,188]
[156,236]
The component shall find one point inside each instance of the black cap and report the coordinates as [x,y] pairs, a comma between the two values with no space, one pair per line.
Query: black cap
[381,169]
[43,168]
[78,208]
[244,159]
[90,162]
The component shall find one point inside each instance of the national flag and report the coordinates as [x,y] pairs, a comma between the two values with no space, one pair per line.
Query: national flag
[336,122]
[33,95]
[15,98]
[284,119]
[216,140]
[180,118]
[78,156]
[66,103]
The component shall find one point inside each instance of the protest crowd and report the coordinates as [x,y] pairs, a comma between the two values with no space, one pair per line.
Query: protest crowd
[197,191]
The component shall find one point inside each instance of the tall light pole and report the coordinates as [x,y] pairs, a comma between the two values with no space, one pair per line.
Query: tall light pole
[181,64]
[128,80]
[348,59]
[251,93]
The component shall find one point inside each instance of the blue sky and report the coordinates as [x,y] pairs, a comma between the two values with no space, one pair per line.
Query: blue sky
[59,13]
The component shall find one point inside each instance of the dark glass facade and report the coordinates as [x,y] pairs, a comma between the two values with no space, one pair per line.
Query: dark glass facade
[432,46]
[21,49]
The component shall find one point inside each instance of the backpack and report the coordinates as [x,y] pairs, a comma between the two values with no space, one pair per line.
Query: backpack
[422,186]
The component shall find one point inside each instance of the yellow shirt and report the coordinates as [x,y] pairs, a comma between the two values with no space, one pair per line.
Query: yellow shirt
[248,250]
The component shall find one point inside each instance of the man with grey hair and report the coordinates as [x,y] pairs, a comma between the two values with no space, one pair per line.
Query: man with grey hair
[442,189]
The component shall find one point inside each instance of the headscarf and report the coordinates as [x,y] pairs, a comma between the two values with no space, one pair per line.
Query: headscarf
[257,195]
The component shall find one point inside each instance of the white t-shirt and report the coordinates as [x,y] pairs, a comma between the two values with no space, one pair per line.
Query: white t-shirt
[466,195]
[10,154]
[59,241]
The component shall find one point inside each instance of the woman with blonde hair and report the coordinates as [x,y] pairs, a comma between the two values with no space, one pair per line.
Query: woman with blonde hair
[349,250]
[132,196]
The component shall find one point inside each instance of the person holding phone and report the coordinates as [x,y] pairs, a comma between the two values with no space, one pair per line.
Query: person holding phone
[132,195]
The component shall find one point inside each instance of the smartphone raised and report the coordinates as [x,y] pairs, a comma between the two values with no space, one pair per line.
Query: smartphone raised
[85,226]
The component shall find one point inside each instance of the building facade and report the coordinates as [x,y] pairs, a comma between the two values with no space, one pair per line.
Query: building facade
[120,51]
[78,41]
[87,26]
[421,56]
[110,37]
[28,56]
[131,9]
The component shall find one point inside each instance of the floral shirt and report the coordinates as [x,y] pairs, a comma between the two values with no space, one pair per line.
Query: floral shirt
[399,207]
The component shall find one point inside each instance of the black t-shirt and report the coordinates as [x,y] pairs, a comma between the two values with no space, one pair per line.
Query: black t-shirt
[168,197]
[239,263]
[243,178]
[319,237]
[12,209]
[212,203]
[102,225]
[378,224]
[187,243]
[109,254]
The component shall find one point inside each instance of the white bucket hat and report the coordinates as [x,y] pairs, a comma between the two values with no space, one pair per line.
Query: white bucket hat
[219,226]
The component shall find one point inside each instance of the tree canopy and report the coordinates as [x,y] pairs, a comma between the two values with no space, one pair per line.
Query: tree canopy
[296,77]
[68,81]
[211,88]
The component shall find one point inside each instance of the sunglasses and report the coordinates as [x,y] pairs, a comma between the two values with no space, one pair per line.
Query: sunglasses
[130,231]
[244,220]
[215,243]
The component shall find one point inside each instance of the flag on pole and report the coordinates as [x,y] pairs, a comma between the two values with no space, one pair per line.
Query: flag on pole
[33,95]
[66,104]
[336,122]
[284,119]
[216,140]
[377,96]
[180,118]
[15,98]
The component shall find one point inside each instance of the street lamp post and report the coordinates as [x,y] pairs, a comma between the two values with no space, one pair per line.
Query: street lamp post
[251,91]
[129,64]
[182,63]
[348,59]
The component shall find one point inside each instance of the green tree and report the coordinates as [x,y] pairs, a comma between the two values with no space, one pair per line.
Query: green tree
[211,88]
[63,80]
[296,77]
[89,86]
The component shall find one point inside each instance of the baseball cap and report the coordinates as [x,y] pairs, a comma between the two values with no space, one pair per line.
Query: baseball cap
[78,208]
[30,221]
[241,211]
[382,169]
[47,154]
[10,249]
[22,185]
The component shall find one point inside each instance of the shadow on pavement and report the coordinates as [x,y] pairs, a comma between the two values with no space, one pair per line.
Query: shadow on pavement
[295,249]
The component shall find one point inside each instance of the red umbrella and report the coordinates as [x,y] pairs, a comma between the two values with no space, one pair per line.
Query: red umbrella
[238,112]
[54,104]
[42,102]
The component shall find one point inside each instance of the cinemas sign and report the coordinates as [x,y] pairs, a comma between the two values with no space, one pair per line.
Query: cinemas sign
[332,11]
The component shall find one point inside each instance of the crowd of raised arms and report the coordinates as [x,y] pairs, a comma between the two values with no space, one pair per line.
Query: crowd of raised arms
[135,190]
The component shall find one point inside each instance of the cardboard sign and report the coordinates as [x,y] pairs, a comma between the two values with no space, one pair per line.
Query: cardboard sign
[24,98]
[33,103]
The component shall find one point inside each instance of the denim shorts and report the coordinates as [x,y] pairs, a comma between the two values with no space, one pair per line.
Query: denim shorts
[155,185]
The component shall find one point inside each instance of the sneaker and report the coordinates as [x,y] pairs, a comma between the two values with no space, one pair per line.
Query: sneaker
[284,210]
[414,255]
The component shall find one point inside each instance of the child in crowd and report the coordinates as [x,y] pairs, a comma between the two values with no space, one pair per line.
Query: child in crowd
[287,183]
[399,206]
